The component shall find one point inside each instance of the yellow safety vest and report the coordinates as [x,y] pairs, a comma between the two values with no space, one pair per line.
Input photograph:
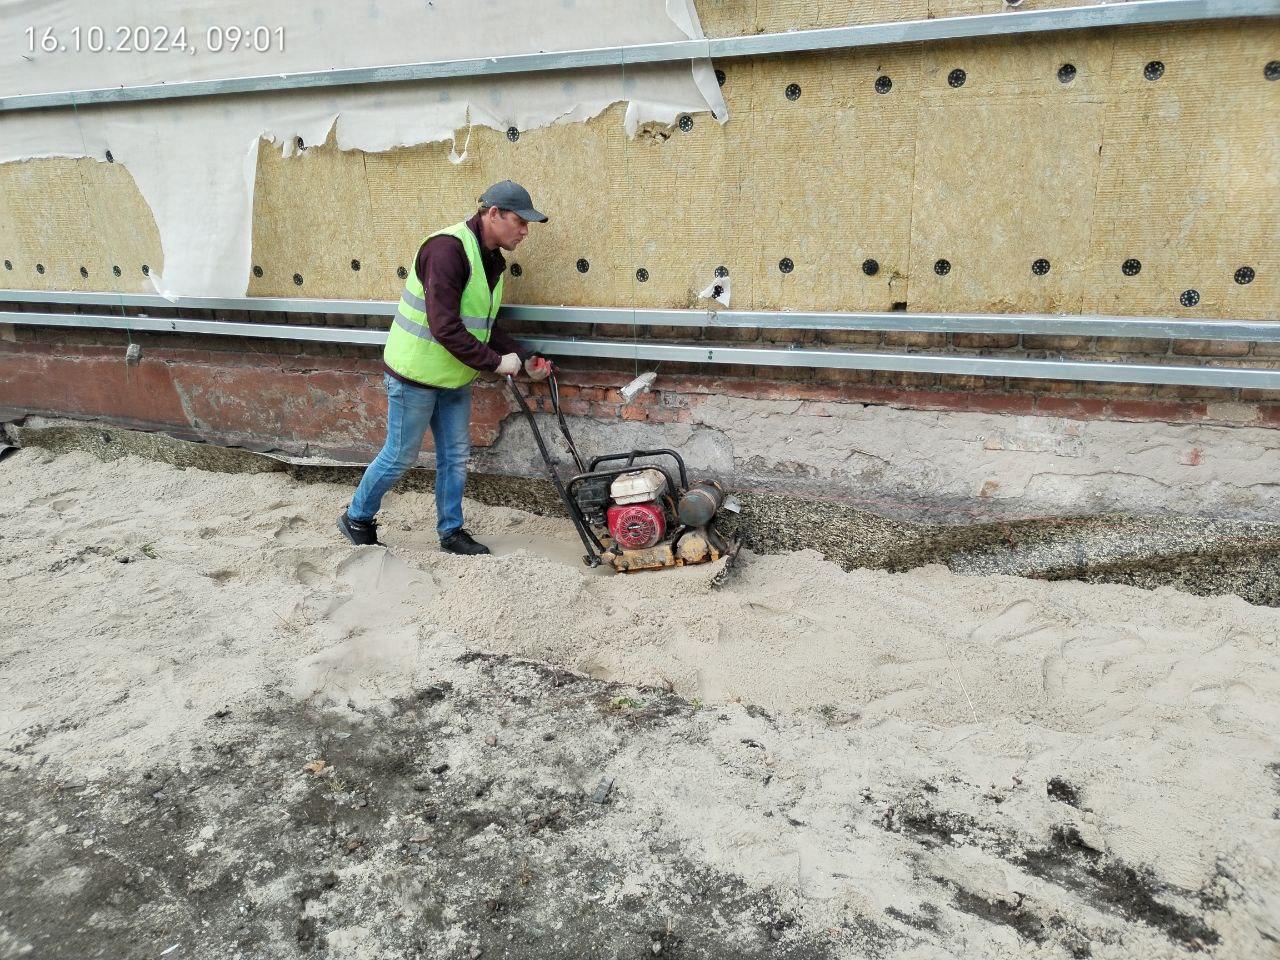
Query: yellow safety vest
[412,351]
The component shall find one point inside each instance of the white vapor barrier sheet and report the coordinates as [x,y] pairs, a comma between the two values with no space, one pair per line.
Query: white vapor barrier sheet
[194,160]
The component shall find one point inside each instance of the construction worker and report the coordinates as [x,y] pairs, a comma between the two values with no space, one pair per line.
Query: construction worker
[442,337]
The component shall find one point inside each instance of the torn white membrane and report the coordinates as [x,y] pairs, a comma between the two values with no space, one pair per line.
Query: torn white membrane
[194,160]
[717,290]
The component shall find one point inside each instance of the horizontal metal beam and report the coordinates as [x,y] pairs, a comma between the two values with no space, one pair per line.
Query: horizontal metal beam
[709,353]
[108,300]
[1164,328]
[1135,13]
[221,328]
[1179,374]
[1160,328]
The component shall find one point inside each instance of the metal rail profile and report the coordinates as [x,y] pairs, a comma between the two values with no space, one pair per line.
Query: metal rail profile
[1136,13]
[1162,328]
[1182,374]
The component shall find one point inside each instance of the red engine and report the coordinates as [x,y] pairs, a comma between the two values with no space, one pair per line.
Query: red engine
[637,526]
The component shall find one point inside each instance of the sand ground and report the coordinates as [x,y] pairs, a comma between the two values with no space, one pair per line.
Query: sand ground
[226,732]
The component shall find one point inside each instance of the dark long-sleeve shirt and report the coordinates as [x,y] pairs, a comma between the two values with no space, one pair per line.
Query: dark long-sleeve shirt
[444,270]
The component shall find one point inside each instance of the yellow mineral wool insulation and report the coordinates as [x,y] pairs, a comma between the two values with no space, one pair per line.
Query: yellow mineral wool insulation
[194,160]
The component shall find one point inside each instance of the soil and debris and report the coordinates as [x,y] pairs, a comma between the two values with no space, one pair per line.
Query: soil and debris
[226,733]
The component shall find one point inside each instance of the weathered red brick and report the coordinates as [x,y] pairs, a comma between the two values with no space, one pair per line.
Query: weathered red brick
[858,338]
[951,381]
[1105,389]
[1080,408]
[985,341]
[904,378]
[1032,341]
[1036,385]
[1256,396]
[896,338]
[1129,346]
[1210,348]
[1177,391]
[837,375]
[1153,410]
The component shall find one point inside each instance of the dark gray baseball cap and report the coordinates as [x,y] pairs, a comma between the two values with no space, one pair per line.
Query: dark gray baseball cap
[509,195]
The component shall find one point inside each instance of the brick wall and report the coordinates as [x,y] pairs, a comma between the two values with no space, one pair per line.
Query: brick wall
[307,397]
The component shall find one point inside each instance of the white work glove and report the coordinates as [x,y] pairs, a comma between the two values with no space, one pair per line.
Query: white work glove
[509,366]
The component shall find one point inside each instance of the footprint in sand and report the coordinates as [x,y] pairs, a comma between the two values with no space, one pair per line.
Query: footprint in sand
[58,500]
[1053,674]
[1017,622]
[290,524]
[307,573]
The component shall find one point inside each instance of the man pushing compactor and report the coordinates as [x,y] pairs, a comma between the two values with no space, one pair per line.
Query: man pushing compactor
[443,336]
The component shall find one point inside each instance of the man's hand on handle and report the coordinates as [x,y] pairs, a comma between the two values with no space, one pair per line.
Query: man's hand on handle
[509,366]
[538,368]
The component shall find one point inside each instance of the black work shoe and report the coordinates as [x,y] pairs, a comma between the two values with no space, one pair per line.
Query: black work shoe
[461,542]
[360,532]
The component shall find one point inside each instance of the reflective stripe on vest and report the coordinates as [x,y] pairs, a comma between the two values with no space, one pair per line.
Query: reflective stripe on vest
[412,351]
[413,300]
[475,326]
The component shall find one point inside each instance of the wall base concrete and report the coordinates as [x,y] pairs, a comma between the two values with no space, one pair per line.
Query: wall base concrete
[945,466]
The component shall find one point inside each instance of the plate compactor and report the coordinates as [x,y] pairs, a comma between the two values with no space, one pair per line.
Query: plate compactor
[630,510]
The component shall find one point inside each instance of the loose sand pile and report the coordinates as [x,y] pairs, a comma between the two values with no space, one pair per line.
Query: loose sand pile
[925,734]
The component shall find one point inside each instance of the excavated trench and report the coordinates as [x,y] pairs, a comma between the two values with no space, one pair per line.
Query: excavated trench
[1198,555]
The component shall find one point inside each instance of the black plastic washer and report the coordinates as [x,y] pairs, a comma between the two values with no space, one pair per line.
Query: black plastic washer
[1272,70]
[942,267]
[582,265]
[720,77]
[1189,298]
[1244,275]
[686,122]
[957,77]
[115,270]
[402,273]
[517,270]
[870,267]
[8,264]
[84,272]
[1066,73]
[722,271]
[513,134]
[1040,267]
[1153,70]
[355,264]
[146,270]
[785,265]
[297,279]
[39,268]
[110,157]
[883,84]
[642,274]
[1131,267]
[793,91]
[257,270]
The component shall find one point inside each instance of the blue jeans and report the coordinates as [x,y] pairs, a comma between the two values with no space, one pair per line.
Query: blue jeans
[410,410]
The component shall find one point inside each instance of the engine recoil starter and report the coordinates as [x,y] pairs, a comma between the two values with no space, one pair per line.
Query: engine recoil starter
[637,526]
